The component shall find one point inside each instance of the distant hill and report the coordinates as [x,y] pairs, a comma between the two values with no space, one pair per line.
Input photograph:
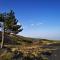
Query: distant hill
[19,40]
[15,39]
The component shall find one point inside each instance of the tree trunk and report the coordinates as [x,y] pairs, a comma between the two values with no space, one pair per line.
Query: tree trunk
[2,35]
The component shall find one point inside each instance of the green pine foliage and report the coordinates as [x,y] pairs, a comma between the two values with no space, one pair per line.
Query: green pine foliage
[10,22]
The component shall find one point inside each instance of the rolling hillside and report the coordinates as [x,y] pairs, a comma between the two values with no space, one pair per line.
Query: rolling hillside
[25,48]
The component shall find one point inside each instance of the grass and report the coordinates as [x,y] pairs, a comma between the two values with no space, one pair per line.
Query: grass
[29,47]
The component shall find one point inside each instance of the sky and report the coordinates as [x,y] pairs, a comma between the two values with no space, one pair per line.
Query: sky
[39,18]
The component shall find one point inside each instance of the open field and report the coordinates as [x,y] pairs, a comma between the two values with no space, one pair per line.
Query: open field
[24,48]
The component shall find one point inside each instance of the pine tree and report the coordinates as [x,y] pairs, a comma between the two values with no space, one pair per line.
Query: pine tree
[11,23]
[1,17]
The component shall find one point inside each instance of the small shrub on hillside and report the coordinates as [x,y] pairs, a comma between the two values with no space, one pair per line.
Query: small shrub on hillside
[7,56]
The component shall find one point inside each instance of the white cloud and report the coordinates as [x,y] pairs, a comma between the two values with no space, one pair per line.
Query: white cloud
[36,24]
[32,24]
[39,23]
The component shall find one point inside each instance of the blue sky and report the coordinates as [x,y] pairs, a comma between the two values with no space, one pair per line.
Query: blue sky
[39,18]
